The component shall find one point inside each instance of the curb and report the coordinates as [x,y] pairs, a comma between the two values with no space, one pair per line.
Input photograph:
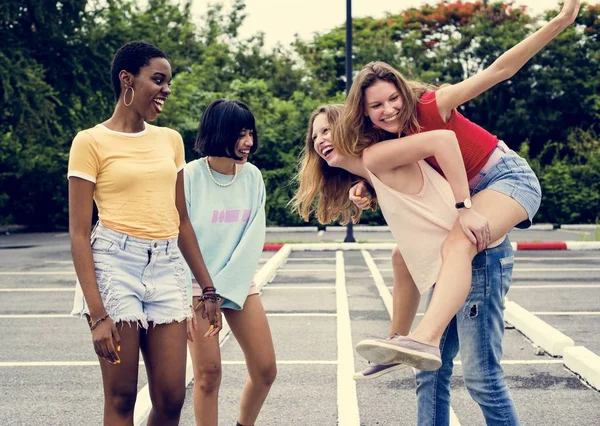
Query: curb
[539,332]
[384,228]
[520,246]
[584,363]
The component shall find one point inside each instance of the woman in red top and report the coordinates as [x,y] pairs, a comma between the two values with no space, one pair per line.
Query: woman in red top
[505,191]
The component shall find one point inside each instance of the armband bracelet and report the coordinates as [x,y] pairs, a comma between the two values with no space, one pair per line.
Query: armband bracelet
[208,289]
[97,322]
[211,297]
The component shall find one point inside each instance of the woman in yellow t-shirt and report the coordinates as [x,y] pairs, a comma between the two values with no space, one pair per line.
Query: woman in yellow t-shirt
[133,288]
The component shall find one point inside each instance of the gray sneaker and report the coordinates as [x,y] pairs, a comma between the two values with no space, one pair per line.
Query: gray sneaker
[401,349]
[374,371]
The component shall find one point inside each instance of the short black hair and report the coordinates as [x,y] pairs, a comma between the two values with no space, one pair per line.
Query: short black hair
[220,128]
[132,57]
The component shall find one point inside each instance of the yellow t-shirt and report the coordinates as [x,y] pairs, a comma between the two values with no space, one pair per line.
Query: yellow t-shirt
[135,176]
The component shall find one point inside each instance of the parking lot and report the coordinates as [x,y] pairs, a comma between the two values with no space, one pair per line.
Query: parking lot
[320,303]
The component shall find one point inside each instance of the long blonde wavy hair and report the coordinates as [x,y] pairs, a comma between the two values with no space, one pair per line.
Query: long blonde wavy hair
[323,190]
[355,130]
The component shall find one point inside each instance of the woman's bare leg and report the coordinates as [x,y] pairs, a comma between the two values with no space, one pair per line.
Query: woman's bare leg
[406,296]
[206,360]
[251,329]
[454,282]
[120,380]
[164,350]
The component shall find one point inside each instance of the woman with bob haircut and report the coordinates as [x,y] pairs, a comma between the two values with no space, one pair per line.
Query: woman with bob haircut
[225,196]
[132,286]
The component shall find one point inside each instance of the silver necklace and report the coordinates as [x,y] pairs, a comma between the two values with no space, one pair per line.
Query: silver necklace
[217,182]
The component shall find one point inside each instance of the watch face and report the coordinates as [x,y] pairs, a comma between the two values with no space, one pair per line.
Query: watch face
[468,203]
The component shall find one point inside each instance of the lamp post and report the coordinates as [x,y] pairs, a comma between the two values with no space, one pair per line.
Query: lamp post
[349,228]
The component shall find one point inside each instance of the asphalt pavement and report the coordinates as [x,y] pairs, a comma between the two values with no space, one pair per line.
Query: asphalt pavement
[320,303]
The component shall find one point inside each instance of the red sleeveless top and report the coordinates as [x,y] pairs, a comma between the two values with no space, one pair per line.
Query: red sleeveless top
[476,144]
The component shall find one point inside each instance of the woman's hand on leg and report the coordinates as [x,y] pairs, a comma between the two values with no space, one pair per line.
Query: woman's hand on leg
[476,227]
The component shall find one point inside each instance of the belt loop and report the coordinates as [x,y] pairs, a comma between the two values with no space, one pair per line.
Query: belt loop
[93,234]
[123,240]
[167,247]
[503,147]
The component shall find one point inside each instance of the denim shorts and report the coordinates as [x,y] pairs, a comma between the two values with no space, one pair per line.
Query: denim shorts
[513,176]
[139,280]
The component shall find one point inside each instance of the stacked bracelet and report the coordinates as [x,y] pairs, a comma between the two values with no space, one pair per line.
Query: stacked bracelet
[211,297]
[209,289]
[94,324]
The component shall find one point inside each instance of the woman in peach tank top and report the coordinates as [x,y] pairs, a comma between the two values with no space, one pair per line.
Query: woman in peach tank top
[417,202]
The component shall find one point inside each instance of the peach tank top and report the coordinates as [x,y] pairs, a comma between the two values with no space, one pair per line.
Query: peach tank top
[419,223]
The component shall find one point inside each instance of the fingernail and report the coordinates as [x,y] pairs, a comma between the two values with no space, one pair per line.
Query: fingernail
[119,348]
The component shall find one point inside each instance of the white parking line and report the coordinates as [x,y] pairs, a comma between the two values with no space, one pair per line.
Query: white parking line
[347,401]
[12,364]
[34,289]
[37,273]
[535,269]
[67,289]
[517,258]
[556,269]
[567,313]
[388,302]
[311,259]
[30,316]
[300,287]
[546,286]
[51,364]
[566,259]
[50,316]
[302,314]
[287,362]
[545,361]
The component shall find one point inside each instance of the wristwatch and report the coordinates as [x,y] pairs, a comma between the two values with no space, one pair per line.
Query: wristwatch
[466,204]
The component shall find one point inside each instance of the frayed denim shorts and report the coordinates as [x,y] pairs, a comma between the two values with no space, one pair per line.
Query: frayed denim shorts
[140,280]
[511,175]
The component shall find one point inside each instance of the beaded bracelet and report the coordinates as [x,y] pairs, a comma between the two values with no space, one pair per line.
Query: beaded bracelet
[212,297]
[98,321]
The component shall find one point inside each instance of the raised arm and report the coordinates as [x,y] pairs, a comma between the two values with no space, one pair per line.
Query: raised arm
[507,65]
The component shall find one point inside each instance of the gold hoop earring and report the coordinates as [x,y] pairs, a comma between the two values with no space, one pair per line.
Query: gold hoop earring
[125,95]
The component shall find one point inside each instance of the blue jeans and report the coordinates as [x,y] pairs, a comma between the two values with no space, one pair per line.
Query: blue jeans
[477,329]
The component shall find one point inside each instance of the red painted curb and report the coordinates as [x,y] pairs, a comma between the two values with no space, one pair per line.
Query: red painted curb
[546,245]
[272,247]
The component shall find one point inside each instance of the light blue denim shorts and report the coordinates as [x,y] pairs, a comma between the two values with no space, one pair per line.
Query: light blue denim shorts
[140,280]
[511,175]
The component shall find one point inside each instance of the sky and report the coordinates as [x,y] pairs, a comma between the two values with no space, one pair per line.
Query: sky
[280,20]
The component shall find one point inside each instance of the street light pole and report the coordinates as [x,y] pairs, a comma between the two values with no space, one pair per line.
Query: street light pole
[349,231]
